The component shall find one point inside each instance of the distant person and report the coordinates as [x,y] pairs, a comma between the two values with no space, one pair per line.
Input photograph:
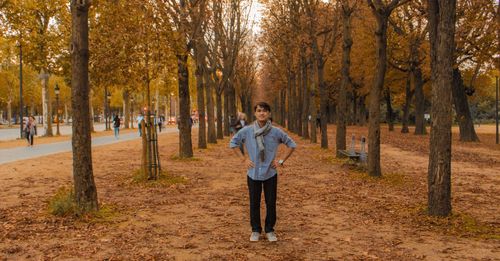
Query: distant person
[240,123]
[140,118]
[261,140]
[160,123]
[30,130]
[232,124]
[116,126]
[318,121]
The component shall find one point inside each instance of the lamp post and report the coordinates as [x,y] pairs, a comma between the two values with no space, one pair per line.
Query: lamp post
[56,90]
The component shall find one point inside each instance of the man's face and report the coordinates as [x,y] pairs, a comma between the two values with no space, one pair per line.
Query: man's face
[262,114]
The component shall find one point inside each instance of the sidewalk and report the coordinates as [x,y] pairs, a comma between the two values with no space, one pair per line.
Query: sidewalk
[22,153]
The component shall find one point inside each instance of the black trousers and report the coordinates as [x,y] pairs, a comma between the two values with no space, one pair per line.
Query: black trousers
[270,190]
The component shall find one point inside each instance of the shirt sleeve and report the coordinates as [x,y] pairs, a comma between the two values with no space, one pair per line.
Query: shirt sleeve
[285,139]
[237,139]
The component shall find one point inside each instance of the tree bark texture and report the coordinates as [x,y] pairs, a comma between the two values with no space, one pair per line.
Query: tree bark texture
[202,131]
[464,117]
[46,104]
[375,94]
[406,106]
[390,113]
[220,134]
[419,102]
[84,185]
[345,82]
[211,135]
[442,32]
[185,143]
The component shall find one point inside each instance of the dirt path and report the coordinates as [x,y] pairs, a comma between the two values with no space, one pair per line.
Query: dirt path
[325,209]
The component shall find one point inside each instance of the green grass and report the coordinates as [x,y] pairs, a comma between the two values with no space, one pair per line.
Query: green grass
[63,204]
[165,179]
[457,224]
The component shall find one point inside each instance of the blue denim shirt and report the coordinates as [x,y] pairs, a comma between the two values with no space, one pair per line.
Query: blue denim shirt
[262,170]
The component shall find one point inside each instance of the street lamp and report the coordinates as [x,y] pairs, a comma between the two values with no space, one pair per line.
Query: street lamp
[56,90]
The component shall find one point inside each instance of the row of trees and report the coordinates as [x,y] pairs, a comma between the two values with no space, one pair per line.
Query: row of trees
[140,49]
[340,59]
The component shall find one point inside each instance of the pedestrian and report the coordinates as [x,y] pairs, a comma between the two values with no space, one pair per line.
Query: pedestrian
[140,118]
[240,123]
[318,121]
[232,124]
[160,122]
[116,126]
[30,130]
[261,140]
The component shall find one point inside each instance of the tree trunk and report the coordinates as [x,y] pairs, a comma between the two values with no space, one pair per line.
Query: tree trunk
[91,107]
[345,82]
[46,105]
[289,101]
[305,103]
[362,111]
[406,106]
[185,143]
[9,112]
[212,137]
[390,113]
[126,111]
[145,154]
[226,111]
[313,110]
[442,32]
[220,134]
[419,102]
[375,94]
[202,132]
[84,185]
[323,102]
[464,118]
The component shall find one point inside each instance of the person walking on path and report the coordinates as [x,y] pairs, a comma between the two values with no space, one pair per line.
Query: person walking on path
[140,117]
[240,123]
[116,126]
[30,130]
[262,140]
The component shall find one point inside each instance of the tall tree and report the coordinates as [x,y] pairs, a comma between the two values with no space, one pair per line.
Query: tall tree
[85,189]
[347,9]
[381,12]
[442,39]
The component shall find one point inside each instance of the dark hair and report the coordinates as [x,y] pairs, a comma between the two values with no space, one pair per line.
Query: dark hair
[263,105]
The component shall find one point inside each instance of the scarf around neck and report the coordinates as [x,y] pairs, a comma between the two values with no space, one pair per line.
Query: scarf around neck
[259,136]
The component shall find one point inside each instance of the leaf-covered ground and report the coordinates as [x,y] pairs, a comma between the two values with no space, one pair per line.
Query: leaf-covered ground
[326,208]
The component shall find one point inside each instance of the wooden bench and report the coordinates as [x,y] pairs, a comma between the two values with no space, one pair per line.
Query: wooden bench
[354,156]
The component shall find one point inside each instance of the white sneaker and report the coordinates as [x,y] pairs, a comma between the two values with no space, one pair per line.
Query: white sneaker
[254,237]
[271,236]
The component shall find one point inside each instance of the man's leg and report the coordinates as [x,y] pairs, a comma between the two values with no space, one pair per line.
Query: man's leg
[270,193]
[255,190]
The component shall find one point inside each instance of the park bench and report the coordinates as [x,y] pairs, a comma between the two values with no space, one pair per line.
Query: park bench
[353,155]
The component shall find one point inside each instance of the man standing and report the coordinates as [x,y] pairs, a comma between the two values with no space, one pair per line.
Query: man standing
[262,140]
